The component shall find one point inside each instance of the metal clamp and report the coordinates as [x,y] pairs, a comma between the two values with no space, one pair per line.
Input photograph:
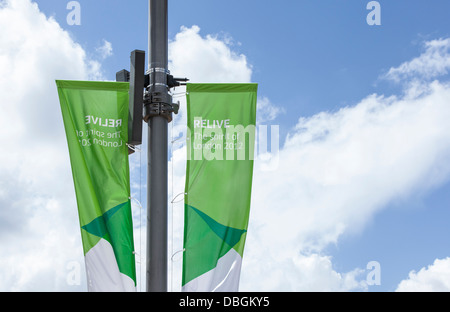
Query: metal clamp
[158,109]
[159,104]
[158,70]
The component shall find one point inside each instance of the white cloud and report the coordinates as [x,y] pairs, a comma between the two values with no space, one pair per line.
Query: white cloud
[267,111]
[192,55]
[434,278]
[337,170]
[433,62]
[39,222]
[265,270]
[105,50]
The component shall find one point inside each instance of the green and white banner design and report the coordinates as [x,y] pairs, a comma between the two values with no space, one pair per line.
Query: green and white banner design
[220,150]
[95,117]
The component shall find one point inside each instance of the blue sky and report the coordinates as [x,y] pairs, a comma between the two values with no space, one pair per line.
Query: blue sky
[293,46]
[318,65]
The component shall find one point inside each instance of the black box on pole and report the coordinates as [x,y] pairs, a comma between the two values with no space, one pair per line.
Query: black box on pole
[136,77]
[137,81]
[123,76]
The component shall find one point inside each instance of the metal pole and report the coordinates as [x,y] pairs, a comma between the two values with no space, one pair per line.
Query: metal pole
[157,114]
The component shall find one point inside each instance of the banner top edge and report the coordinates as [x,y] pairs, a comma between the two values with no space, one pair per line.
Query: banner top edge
[221,87]
[82,84]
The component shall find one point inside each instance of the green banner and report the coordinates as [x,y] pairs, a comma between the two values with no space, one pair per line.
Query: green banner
[95,116]
[220,149]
